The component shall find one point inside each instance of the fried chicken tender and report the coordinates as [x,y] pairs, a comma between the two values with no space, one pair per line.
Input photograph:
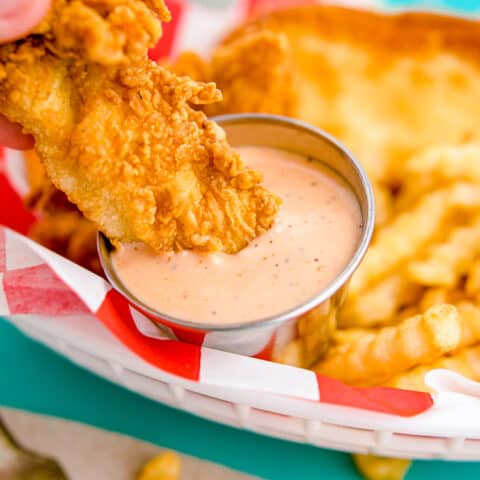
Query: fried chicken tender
[255,74]
[118,134]
[108,32]
[61,227]
[69,234]
[361,77]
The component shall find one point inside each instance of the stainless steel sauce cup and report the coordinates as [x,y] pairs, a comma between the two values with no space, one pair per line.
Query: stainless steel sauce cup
[300,335]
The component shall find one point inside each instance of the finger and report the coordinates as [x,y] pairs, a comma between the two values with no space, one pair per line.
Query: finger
[18,17]
[11,135]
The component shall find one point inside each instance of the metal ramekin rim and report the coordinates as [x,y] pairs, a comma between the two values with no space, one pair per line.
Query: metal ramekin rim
[104,246]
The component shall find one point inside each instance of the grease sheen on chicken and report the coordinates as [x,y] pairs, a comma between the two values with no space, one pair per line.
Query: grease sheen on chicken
[118,134]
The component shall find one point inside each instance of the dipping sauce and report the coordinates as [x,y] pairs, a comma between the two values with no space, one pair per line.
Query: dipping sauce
[314,237]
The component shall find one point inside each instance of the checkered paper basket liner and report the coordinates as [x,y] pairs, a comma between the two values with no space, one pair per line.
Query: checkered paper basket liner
[79,315]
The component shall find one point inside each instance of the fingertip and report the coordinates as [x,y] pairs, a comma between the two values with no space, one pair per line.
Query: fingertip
[21,17]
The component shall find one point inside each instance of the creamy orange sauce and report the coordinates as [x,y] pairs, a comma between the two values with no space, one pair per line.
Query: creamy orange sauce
[314,237]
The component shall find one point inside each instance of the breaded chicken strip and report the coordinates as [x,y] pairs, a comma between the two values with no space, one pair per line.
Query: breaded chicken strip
[387,86]
[117,133]
[61,226]
[255,74]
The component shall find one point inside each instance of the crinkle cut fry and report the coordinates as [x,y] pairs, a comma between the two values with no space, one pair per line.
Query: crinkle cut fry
[417,340]
[123,141]
[469,324]
[466,362]
[379,304]
[438,166]
[447,162]
[403,237]
[472,283]
[446,262]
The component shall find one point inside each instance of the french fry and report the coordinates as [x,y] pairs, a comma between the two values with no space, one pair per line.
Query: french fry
[291,354]
[444,163]
[437,166]
[412,230]
[165,466]
[378,305]
[383,205]
[35,171]
[434,296]
[417,340]
[348,335]
[446,262]
[381,468]
[466,363]
[407,312]
[472,283]
[469,324]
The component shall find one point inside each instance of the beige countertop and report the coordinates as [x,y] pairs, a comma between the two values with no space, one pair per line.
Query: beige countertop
[88,453]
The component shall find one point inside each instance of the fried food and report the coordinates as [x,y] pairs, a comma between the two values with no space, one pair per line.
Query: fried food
[117,132]
[373,467]
[263,81]
[71,235]
[61,227]
[466,363]
[384,202]
[437,166]
[291,354]
[166,466]
[401,239]
[435,296]
[256,72]
[363,344]
[371,359]
[472,283]
[385,94]
[35,174]
[445,263]
[469,324]
[379,304]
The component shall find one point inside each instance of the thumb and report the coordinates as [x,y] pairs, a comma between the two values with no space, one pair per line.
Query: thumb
[19,17]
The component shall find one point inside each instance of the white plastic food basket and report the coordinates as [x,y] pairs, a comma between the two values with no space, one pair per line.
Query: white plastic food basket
[449,430]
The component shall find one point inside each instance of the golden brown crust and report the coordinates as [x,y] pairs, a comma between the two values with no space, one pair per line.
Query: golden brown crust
[394,33]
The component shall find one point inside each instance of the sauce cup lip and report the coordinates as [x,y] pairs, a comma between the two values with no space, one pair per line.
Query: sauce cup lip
[104,246]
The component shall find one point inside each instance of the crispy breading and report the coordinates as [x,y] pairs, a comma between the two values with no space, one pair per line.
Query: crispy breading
[264,81]
[69,234]
[108,32]
[60,226]
[117,132]
[255,74]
